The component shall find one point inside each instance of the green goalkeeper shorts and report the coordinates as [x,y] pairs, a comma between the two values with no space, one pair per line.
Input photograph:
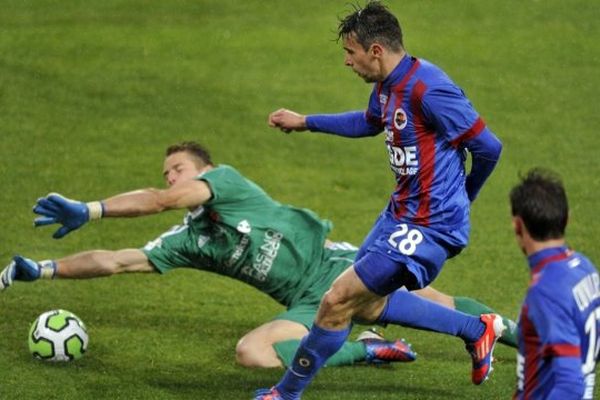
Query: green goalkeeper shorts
[304,310]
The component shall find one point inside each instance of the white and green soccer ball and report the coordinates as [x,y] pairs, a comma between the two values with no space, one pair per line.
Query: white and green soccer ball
[58,335]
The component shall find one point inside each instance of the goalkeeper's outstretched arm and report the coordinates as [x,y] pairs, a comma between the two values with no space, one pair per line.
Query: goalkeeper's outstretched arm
[85,265]
[97,263]
[72,214]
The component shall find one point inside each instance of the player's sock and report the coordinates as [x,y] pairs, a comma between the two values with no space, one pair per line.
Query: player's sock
[473,307]
[315,348]
[407,309]
[350,353]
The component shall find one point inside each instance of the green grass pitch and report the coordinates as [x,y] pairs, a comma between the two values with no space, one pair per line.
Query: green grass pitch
[91,92]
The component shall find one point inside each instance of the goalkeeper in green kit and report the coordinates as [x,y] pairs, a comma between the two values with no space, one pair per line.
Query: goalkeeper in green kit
[235,229]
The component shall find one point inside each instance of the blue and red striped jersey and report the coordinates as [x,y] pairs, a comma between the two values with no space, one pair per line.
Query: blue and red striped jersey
[428,123]
[559,327]
[426,119]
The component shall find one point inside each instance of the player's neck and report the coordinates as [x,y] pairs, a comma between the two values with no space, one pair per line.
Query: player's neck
[533,246]
[391,62]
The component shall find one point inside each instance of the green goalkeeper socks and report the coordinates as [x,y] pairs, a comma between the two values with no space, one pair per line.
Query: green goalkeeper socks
[350,353]
[473,307]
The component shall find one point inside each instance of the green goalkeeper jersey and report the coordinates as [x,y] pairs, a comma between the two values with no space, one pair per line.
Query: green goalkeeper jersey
[243,233]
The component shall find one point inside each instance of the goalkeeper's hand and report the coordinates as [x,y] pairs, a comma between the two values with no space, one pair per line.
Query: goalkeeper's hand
[71,214]
[24,269]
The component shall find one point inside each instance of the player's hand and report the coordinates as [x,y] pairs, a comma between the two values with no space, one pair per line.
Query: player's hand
[56,209]
[287,120]
[24,269]
[7,276]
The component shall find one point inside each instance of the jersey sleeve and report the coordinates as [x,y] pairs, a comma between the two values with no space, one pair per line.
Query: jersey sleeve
[168,251]
[450,112]
[373,113]
[229,187]
[352,124]
[569,383]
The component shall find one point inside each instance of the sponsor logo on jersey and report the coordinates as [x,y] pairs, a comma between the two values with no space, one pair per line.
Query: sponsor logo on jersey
[403,159]
[238,251]
[400,119]
[389,135]
[382,100]
[267,253]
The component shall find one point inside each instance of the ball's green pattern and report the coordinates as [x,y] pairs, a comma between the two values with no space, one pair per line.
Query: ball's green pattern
[58,335]
[40,347]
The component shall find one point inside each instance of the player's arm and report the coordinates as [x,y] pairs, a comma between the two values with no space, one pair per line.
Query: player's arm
[97,263]
[451,113]
[560,340]
[187,194]
[72,214]
[568,379]
[485,149]
[89,264]
[351,124]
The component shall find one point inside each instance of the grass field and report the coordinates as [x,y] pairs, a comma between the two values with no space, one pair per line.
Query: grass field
[91,92]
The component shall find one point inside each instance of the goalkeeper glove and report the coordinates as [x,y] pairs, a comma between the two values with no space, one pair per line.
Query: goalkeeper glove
[24,269]
[71,214]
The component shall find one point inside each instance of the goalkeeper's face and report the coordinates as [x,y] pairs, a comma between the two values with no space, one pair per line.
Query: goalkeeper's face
[181,166]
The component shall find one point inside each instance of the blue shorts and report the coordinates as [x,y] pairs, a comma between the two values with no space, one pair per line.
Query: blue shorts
[397,254]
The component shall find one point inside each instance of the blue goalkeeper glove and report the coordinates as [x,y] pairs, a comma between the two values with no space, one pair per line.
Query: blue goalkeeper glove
[71,214]
[24,269]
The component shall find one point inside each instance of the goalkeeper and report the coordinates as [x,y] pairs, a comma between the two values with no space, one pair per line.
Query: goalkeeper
[235,229]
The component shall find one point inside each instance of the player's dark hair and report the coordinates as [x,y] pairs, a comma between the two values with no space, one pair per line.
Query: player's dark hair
[192,148]
[541,201]
[372,23]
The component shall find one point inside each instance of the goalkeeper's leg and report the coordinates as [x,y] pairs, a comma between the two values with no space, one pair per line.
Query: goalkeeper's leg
[274,344]
[472,307]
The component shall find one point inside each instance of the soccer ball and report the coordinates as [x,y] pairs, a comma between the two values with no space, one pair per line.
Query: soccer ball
[58,335]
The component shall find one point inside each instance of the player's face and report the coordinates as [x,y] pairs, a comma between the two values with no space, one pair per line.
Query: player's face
[519,229]
[179,167]
[362,61]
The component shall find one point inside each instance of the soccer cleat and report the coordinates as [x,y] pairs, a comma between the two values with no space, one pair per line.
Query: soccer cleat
[267,394]
[381,351]
[482,350]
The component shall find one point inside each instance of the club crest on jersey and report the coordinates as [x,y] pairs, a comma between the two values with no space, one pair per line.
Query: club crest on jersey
[400,119]
[244,227]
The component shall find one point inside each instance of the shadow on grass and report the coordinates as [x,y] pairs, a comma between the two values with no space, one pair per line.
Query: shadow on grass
[229,385]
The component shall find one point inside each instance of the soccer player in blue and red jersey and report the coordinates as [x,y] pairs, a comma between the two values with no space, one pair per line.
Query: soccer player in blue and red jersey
[560,317]
[428,124]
